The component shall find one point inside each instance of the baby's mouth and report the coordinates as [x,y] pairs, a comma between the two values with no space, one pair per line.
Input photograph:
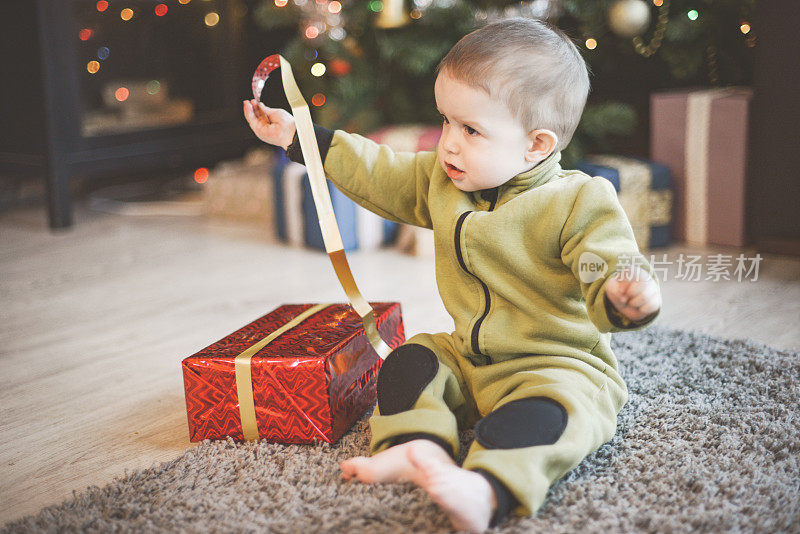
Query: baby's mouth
[453,172]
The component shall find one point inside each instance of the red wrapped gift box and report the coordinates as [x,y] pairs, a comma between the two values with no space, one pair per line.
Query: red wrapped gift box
[310,383]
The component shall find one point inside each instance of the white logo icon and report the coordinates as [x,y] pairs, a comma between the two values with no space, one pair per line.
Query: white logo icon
[591,267]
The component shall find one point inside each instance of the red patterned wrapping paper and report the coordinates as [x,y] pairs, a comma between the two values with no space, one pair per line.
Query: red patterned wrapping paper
[309,384]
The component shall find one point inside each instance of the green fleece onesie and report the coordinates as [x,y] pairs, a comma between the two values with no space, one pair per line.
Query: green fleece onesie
[530,336]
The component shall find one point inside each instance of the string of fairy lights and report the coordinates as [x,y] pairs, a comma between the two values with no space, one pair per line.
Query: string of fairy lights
[631,18]
[626,19]
[630,21]
[323,18]
[129,13]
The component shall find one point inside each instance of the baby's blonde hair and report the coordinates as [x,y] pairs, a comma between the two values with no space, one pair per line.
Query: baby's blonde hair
[531,67]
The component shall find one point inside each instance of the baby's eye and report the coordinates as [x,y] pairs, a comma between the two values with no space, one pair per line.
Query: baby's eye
[470,130]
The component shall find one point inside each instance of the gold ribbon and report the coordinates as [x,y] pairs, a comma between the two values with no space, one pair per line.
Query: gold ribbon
[244,378]
[322,200]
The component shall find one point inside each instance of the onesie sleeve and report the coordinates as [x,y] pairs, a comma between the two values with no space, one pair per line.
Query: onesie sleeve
[392,184]
[595,240]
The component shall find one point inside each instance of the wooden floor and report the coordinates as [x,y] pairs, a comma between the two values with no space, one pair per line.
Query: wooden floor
[96,319]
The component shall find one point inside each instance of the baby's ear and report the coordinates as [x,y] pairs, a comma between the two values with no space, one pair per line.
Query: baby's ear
[541,144]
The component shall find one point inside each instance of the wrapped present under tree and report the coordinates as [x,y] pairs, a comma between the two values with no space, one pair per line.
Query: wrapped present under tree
[644,191]
[701,135]
[296,220]
[237,190]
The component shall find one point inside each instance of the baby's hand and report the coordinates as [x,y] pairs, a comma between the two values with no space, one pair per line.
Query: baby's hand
[272,125]
[634,293]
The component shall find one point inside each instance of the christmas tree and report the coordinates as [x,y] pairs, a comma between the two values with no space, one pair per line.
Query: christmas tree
[370,63]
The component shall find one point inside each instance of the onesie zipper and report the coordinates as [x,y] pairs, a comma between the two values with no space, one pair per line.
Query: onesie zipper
[487,298]
[491,196]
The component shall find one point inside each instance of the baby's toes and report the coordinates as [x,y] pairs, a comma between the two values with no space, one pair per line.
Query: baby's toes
[350,467]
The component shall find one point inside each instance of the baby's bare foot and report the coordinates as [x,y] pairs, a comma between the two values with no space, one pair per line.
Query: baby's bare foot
[465,496]
[393,464]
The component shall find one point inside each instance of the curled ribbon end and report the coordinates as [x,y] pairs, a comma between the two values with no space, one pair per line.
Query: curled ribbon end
[263,71]
[258,86]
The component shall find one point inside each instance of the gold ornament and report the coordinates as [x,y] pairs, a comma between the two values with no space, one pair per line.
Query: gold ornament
[393,15]
[629,18]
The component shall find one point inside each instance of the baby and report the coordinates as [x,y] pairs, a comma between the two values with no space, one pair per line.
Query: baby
[537,265]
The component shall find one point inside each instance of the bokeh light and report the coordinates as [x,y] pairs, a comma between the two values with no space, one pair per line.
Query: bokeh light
[126,14]
[122,94]
[153,87]
[93,67]
[102,5]
[416,13]
[658,3]
[103,52]
[334,7]
[693,14]
[591,44]
[318,99]
[201,175]
[318,69]
[281,3]
[745,28]
[184,1]
[161,10]
[85,34]
[376,6]
[212,19]
[312,32]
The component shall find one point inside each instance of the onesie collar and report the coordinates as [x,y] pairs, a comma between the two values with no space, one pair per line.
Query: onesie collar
[542,173]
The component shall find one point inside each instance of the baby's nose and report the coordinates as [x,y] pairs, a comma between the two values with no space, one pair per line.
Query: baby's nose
[449,144]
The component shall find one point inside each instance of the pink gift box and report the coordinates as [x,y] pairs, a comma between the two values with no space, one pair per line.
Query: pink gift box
[701,135]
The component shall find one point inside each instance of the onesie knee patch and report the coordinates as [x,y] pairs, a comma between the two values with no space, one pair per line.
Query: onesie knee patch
[522,423]
[403,376]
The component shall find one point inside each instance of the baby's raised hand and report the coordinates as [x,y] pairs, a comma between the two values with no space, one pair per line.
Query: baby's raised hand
[272,125]
[634,293]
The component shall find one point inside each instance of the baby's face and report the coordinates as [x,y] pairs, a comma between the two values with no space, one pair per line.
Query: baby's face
[482,144]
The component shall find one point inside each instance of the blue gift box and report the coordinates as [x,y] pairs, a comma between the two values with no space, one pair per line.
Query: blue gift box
[644,189]
[296,216]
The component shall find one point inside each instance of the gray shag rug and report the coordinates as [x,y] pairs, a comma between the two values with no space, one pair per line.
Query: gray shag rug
[709,442]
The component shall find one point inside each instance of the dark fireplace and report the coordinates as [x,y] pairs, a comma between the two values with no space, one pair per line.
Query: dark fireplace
[97,88]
